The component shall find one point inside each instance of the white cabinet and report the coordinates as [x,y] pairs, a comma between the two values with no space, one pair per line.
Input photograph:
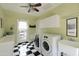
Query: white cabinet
[6,45]
[53,21]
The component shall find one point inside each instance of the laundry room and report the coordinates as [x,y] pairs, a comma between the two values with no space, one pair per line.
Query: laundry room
[39,29]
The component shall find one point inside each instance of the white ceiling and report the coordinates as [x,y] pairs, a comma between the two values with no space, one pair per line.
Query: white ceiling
[16,7]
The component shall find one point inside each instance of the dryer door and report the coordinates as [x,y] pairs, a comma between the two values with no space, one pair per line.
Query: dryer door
[46,47]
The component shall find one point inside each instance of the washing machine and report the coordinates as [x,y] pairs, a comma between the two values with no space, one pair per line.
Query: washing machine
[68,48]
[49,44]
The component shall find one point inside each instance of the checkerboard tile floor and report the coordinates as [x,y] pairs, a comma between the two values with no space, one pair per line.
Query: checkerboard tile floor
[25,49]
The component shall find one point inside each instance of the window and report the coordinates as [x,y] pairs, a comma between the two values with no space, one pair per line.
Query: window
[22,25]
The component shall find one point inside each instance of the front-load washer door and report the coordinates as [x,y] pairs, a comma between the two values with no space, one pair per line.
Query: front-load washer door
[46,47]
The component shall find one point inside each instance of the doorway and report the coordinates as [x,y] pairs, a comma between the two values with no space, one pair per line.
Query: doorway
[22,27]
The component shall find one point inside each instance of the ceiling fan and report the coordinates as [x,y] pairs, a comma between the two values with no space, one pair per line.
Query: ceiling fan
[32,6]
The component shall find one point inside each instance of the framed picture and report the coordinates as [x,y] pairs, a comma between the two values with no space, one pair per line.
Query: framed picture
[71,27]
[0,22]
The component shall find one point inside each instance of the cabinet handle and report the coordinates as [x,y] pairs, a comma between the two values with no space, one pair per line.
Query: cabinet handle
[61,53]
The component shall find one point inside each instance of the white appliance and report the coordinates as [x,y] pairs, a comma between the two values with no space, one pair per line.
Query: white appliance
[68,48]
[49,44]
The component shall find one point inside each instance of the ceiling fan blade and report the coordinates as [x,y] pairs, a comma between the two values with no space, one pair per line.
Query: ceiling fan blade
[23,6]
[36,9]
[36,5]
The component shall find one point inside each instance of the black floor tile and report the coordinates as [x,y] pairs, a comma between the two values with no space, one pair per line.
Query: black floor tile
[29,52]
[31,48]
[36,53]
[16,50]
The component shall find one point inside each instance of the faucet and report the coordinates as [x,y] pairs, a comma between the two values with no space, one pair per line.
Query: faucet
[71,39]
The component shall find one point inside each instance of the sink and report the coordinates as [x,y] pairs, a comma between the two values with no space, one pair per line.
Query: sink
[70,43]
[68,48]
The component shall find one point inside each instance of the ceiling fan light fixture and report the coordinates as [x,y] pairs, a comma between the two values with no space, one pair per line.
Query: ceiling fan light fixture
[32,7]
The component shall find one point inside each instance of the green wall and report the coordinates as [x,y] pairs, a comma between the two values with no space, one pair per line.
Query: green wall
[2,14]
[10,19]
[65,11]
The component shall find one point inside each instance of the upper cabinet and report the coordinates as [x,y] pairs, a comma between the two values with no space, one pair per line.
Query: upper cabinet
[53,21]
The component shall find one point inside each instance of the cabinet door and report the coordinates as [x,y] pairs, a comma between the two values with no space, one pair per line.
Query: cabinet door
[53,21]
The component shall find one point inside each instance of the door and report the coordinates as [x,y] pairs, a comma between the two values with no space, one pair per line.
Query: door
[46,47]
[22,31]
